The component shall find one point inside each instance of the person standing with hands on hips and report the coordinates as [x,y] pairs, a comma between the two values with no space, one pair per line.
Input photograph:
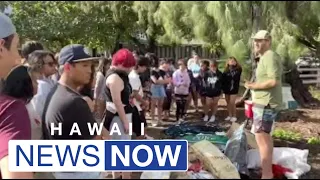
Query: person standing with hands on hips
[266,97]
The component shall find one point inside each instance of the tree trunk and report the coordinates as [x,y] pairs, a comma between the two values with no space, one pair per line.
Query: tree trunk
[117,43]
[256,14]
[151,45]
[299,91]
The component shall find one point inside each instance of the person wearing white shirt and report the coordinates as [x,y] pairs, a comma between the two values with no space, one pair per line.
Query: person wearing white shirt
[45,61]
[138,101]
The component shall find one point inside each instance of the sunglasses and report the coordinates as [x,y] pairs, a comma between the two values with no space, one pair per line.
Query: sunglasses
[50,64]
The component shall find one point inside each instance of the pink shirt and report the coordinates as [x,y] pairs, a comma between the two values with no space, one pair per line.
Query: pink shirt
[14,123]
[181,81]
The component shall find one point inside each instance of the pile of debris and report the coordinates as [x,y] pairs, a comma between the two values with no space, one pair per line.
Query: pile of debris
[214,154]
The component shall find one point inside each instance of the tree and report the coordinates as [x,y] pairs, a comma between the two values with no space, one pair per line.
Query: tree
[146,23]
[229,25]
[3,5]
[302,20]
[58,23]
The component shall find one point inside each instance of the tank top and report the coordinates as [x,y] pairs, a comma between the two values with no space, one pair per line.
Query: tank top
[125,93]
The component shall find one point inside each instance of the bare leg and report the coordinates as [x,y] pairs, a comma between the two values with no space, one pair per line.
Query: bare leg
[159,108]
[233,107]
[214,105]
[208,110]
[153,108]
[265,144]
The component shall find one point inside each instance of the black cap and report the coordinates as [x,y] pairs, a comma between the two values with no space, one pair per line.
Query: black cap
[74,53]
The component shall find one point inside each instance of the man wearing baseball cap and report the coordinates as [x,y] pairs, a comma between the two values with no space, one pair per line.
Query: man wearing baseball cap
[66,106]
[267,98]
[14,118]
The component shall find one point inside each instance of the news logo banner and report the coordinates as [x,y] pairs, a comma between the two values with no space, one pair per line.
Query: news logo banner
[158,155]
[97,155]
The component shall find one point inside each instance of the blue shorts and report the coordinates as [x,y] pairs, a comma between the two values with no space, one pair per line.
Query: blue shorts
[158,91]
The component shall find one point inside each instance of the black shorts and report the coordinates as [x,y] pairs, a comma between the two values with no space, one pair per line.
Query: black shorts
[137,119]
[213,95]
[232,92]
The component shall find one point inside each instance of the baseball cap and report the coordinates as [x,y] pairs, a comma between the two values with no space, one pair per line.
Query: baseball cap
[6,26]
[124,57]
[74,53]
[262,34]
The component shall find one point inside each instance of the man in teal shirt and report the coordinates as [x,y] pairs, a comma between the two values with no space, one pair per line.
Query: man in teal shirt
[266,97]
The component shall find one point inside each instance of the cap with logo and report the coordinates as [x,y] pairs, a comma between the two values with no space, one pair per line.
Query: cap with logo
[74,53]
[262,34]
[6,26]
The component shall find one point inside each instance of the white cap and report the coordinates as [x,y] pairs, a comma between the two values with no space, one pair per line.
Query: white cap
[262,34]
[6,26]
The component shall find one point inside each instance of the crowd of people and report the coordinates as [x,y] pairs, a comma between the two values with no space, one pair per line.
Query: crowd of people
[41,88]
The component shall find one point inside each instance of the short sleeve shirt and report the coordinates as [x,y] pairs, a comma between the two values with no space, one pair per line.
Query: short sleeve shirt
[136,85]
[14,122]
[269,67]
[67,107]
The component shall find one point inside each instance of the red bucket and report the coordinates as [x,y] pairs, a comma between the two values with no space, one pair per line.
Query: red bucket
[248,109]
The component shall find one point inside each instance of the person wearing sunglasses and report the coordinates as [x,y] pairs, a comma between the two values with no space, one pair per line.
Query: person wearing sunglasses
[45,61]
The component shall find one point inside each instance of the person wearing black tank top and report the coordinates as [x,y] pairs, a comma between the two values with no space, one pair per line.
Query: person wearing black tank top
[119,106]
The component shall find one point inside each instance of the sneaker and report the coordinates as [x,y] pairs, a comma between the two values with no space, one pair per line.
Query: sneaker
[148,137]
[228,118]
[233,119]
[212,119]
[206,118]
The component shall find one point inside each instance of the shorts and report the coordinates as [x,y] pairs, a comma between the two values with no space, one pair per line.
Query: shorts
[157,91]
[212,95]
[78,175]
[137,119]
[263,119]
[122,136]
[233,92]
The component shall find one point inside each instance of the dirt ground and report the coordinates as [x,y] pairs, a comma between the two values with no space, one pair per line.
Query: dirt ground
[305,122]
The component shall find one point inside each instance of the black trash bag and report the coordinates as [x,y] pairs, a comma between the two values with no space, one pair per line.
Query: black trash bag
[180,130]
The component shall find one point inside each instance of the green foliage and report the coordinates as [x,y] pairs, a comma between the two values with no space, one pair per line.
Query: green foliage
[315,92]
[223,26]
[287,135]
[314,141]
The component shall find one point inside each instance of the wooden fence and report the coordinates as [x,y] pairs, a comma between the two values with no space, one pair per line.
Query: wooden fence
[310,76]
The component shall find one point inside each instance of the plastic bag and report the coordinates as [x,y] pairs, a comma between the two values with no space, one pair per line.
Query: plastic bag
[201,175]
[290,158]
[155,175]
[236,150]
